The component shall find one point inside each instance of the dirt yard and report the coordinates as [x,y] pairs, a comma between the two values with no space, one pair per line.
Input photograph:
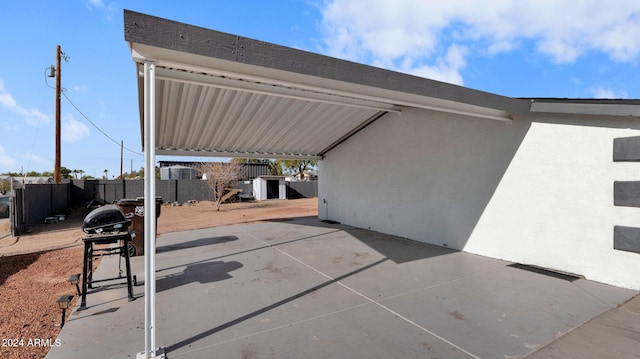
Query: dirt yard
[34,268]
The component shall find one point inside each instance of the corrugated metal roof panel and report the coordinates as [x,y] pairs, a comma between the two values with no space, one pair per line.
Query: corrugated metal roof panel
[195,116]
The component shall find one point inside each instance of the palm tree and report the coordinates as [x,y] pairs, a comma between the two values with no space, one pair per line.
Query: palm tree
[106,174]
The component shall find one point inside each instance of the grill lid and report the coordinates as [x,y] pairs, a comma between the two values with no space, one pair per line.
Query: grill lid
[108,218]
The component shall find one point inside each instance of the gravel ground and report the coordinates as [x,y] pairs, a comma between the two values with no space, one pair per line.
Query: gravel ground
[34,268]
[30,285]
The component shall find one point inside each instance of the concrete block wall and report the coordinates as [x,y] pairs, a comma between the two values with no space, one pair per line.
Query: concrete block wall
[43,200]
[304,189]
[170,190]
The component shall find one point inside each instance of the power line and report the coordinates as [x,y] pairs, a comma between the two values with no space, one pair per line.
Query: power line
[96,126]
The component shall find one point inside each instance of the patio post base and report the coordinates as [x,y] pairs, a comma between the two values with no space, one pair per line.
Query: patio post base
[160,354]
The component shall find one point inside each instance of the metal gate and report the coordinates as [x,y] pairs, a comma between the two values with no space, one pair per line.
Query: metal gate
[16,212]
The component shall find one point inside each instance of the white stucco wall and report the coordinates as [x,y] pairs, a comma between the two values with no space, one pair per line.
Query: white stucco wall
[539,191]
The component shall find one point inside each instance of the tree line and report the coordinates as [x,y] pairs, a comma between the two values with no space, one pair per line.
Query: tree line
[67,173]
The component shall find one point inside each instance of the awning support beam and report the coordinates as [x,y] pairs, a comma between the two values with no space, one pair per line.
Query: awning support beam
[271,89]
[150,229]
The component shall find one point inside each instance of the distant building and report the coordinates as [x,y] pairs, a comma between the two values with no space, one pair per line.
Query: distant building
[252,170]
[310,175]
[19,182]
[179,173]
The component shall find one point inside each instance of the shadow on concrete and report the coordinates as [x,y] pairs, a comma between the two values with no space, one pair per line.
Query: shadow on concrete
[397,249]
[253,314]
[106,311]
[196,243]
[206,272]
[245,251]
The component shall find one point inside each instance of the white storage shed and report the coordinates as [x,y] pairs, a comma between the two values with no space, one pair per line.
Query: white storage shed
[269,187]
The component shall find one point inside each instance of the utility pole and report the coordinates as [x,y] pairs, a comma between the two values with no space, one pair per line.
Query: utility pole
[121,153]
[56,169]
[57,73]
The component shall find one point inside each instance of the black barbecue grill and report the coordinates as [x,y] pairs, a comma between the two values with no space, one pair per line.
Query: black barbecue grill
[106,225]
[107,218]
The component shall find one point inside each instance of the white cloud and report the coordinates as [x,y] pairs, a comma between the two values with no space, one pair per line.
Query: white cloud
[110,9]
[6,161]
[73,130]
[31,159]
[408,35]
[446,68]
[8,126]
[80,88]
[31,115]
[605,92]
[6,100]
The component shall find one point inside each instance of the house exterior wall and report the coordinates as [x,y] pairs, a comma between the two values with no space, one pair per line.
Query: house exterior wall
[539,191]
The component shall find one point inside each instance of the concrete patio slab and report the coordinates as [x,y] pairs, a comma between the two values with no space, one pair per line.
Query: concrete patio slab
[614,334]
[307,289]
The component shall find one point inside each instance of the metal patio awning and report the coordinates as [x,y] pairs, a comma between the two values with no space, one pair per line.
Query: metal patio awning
[224,95]
[229,115]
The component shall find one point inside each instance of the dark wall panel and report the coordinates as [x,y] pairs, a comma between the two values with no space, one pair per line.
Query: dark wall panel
[626,193]
[626,239]
[626,149]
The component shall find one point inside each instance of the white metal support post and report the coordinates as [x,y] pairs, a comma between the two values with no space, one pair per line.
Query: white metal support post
[150,349]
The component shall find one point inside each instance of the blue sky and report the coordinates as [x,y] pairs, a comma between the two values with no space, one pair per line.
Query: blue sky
[518,48]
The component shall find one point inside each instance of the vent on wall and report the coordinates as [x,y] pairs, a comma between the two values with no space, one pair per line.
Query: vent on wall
[626,193]
[569,277]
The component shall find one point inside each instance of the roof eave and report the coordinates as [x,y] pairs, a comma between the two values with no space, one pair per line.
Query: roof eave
[233,52]
[597,107]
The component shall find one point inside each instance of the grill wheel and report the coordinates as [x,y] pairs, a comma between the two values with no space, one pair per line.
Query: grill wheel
[131,249]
